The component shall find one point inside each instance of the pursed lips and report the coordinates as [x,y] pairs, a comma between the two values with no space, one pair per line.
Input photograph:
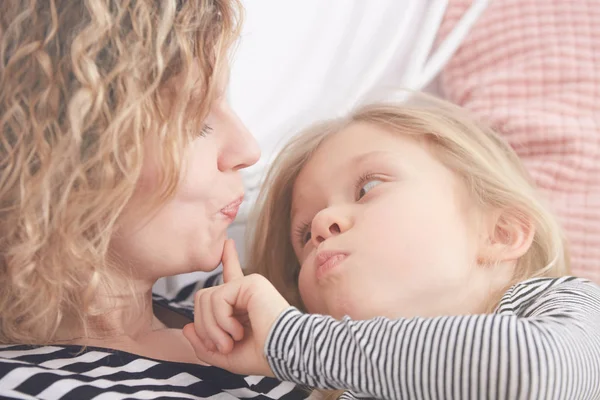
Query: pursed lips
[231,209]
[325,261]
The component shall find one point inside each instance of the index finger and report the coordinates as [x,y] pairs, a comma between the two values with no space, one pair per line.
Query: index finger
[232,269]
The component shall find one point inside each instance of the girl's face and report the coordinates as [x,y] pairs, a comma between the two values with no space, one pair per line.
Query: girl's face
[188,232]
[382,228]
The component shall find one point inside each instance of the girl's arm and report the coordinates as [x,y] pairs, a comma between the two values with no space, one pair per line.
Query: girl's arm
[544,344]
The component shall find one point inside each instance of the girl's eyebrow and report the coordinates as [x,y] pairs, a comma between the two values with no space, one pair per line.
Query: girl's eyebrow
[364,157]
[353,163]
[293,214]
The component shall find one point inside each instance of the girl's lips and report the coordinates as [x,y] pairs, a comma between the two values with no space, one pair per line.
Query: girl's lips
[328,260]
[231,209]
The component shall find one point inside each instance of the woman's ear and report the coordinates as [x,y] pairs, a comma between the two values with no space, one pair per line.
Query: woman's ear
[507,237]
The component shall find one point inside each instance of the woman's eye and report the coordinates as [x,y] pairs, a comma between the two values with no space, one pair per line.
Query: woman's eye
[206,130]
[366,187]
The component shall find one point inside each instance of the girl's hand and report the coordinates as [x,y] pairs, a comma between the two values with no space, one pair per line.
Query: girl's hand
[232,321]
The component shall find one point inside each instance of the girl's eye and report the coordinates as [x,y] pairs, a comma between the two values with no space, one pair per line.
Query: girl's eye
[303,234]
[367,187]
[307,237]
[206,130]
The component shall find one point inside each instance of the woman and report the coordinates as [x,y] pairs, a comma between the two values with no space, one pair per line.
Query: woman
[119,165]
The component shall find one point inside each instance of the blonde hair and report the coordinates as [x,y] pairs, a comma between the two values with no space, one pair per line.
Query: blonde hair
[81,89]
[489,167]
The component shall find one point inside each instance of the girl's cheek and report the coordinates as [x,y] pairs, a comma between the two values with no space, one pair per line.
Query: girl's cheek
[304,287]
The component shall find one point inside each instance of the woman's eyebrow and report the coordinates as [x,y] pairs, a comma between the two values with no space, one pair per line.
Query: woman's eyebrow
[223,82]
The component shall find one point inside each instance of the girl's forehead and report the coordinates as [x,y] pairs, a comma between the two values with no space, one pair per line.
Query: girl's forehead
[356,145]
[355,150]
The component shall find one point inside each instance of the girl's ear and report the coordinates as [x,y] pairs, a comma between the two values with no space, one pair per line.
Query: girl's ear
[507,237]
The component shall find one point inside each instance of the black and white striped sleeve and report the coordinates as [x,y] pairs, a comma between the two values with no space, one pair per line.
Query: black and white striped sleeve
[542,343]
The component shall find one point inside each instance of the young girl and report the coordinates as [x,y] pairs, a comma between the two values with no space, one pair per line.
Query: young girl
[429,266]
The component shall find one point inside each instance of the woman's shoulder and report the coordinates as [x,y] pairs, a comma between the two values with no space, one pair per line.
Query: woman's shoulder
[60,372]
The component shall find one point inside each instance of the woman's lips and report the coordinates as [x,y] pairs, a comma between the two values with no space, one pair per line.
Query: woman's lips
[328,260]
[231,209]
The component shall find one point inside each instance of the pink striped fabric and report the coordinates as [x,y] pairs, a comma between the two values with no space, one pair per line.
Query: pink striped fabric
[532,69]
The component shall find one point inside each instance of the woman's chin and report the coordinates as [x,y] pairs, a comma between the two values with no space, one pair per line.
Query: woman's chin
[204,266]
[203,258]
[210,259]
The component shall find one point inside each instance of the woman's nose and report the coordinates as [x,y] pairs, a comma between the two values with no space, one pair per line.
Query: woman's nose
[240,149]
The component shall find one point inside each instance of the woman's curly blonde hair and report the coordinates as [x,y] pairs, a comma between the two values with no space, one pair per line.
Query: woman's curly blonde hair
[81,88]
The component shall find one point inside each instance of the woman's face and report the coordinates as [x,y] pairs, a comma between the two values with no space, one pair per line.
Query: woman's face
[188,232]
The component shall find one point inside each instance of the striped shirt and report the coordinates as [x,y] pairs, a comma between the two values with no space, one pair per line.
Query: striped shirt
[67,372]
[541,342]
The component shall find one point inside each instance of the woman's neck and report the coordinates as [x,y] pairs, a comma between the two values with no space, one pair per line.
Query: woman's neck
[124,320]
[116,314]
[132,326]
